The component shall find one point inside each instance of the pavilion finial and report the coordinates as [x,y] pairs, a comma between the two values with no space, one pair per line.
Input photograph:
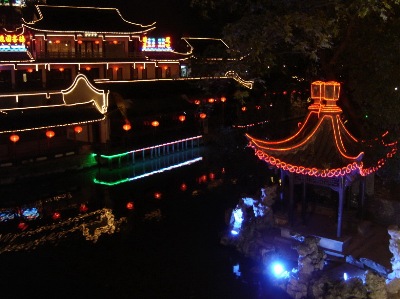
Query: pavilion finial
[332,91]
[317,95]
[325,95]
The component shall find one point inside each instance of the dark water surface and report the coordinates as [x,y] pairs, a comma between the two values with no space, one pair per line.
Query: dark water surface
[168,245]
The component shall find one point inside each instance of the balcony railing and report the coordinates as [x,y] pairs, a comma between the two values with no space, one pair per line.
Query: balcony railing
[88,56]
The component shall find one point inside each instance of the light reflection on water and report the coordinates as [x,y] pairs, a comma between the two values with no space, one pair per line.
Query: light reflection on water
[166,245]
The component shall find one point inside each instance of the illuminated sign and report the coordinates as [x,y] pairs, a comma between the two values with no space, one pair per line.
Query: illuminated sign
[156,44]
[12,43]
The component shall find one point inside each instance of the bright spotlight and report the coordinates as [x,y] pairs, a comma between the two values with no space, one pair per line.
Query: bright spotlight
[345,276]
[277,269]
[233,232]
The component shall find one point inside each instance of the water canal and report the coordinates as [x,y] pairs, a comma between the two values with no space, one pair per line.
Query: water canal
[101,234]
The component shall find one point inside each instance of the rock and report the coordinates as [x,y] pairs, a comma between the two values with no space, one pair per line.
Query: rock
[374,266]
[376,286]
[353,261]
[393,286]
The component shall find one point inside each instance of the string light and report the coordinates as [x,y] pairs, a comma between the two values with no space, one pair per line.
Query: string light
[322,115]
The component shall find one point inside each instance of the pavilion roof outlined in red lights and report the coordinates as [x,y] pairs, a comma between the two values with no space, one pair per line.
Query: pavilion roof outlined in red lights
[323,147]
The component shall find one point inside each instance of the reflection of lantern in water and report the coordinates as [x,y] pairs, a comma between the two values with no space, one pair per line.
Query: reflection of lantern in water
[50,134]
[202,179]
[157,195]
[183,187]
[14,138]
[83,208]
[130,205]
[22,226]
[56,216]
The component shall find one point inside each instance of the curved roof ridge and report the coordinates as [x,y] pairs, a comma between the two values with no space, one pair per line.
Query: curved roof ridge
[100,20]
[310,117]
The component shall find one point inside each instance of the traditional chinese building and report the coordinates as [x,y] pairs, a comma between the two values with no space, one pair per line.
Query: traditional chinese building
[43,60]
[323,152]
[47,53]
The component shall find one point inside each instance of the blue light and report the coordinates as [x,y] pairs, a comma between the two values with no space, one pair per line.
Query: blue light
[233,232]
[278,269]
[236,270]
[345,276]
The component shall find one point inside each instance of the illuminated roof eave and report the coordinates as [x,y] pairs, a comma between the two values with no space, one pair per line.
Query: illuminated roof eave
[79,31]
[84,7]
[265,145]
[54,126]
[266,142]
[101,107]
[333,172]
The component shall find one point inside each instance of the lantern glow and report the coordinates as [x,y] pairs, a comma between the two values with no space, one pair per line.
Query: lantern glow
[126,127]
[182,118]
[155,123]
[203,115]
[14,138]
[50,134]
[78,129]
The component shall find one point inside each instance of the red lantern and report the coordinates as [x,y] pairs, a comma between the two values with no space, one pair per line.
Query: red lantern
[79,42]
[83,208]
[182,118]
[157,195]
[61,69]
[78,129]
[88,68]
[22,226]
[50,134]
[211,100]
[30,70]
[130,205]
[56,216]
[127,127]
[14,138]
[97,42]
[223,99]
[203,115]
[244,108]
[183,187]
[57,41]
[155,123]
[197,102]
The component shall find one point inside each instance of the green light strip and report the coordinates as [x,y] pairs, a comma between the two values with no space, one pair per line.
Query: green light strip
[96,181]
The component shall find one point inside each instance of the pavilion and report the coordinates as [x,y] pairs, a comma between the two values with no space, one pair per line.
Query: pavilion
[323,152]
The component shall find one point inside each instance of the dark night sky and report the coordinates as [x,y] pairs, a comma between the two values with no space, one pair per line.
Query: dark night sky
[173,17]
